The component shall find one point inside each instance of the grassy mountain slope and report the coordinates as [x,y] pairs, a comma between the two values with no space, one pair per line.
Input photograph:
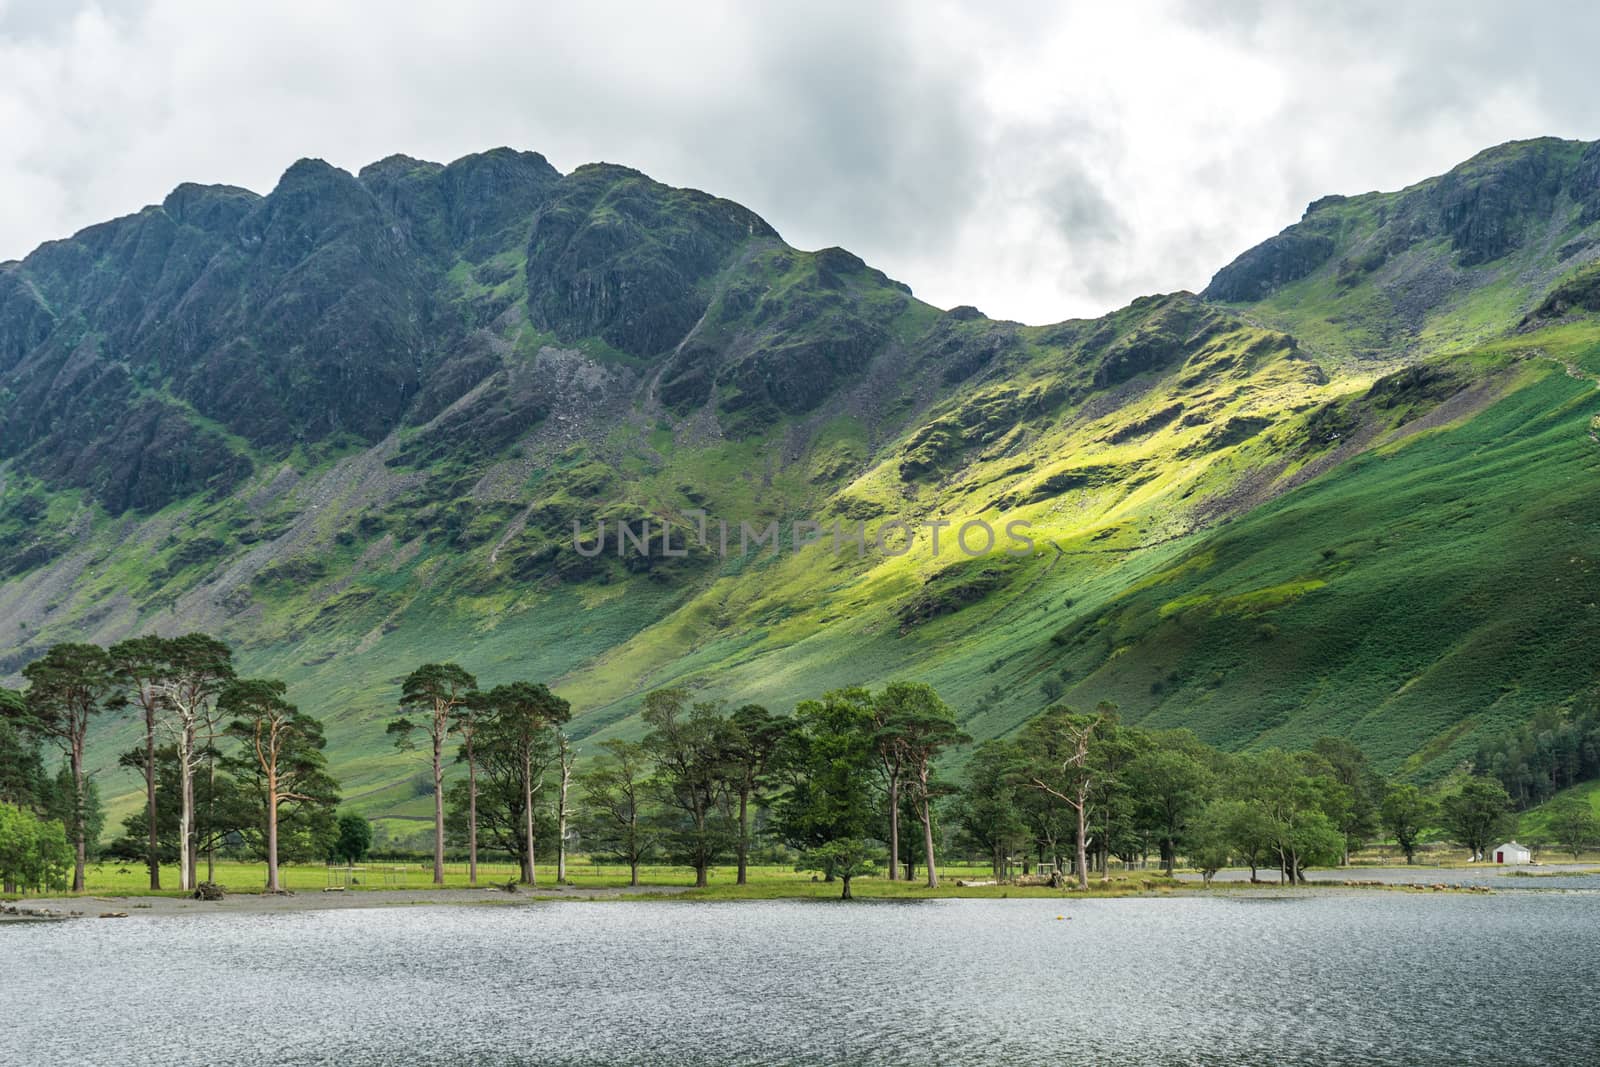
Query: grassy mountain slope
[350,425]
[1446,264]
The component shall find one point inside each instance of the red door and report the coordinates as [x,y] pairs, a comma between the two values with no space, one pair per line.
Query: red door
[1499,857]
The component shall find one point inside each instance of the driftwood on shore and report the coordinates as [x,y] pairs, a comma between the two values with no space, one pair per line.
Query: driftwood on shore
[1054,880]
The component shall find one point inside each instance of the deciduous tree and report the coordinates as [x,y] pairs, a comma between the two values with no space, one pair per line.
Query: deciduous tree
[354,840]
[1574,825]
[828,763]
[691,778]
[1293,803]
[34,853]
[1356,812]
[615,798]
[1477,813]
[845,859]
[1404,814]
[987,810]
[1172,788]
[1209,846]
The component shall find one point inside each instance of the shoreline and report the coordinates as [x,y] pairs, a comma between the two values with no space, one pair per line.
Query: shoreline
[112,906]
[51,908]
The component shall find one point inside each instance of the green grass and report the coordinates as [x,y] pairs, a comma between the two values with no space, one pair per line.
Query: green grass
[1535,822]
[765,882]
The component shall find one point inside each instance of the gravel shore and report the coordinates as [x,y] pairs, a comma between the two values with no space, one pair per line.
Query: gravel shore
[37,908]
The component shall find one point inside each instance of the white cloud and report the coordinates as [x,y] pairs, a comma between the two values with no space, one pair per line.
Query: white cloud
[1041,162]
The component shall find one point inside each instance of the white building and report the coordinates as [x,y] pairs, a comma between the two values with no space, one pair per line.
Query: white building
[1511,852]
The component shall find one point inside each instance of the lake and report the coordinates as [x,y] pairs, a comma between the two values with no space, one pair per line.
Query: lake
[1300,977]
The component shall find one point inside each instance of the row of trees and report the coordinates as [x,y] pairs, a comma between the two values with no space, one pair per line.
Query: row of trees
[1555,750]
[197,792]
[509,737]
[848,780]
[842,778]
[842,773]
[1078,789]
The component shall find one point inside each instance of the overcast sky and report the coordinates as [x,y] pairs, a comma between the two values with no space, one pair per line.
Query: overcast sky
[1051,161]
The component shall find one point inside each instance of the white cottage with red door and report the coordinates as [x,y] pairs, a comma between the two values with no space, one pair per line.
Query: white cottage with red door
[1511,852]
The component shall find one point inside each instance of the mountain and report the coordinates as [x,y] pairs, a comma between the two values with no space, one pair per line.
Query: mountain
[350,425]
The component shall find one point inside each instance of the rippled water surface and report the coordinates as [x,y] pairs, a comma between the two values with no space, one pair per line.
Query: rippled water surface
[1319,977]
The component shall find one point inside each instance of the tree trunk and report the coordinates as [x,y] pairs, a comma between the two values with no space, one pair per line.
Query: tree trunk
[927,839]
[272,836]
[701,861]
[561,811]
[1082,845]
[154,856]
[77,801]
[528,872]
[633,872]
[438,806]
[744,837]
[211,821]
[894,828]
[472,816]
[846,894]
[185,807]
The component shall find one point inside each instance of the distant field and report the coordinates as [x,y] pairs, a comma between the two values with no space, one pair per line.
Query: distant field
[1534,823]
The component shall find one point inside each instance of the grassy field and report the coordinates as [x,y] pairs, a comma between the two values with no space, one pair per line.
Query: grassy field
[765,882]
[1534,823]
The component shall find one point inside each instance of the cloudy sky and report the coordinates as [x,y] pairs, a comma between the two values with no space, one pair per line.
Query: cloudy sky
[1054,161]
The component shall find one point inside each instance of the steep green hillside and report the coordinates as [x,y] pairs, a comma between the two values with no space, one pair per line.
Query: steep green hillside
[350,426]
